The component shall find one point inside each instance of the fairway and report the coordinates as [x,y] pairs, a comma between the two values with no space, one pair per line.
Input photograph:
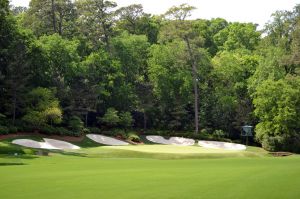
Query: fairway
[149,171]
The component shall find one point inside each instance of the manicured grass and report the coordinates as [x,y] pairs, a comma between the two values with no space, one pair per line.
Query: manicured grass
[65,177]
[149,171]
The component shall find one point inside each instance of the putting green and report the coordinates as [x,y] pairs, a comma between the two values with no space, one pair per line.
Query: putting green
[173,149]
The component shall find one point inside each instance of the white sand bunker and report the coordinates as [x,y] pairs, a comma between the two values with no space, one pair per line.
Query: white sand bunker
[33,144]
[181,141]
[60,144]
[106,140]
[48,144]
[157,139]
[173,140]
[221,145]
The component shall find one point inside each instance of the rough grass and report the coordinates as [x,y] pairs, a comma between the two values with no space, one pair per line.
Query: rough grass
[149,171]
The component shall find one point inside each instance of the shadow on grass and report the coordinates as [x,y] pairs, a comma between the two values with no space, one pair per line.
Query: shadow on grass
[10,164]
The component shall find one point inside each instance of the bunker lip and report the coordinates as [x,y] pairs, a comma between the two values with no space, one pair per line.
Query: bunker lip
[60,144]
[180,141]
[221,145]
[48,144]
[102,139]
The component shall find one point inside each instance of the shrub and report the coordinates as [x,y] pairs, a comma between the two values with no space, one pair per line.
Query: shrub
[119,133]
[27,128]
[94,130]
[48,130]
[111,117]
[42,107]
[2,119]
[126,120]
[13,129]
[272,143]
[218,134]
[133,137]
[292,144]
[76,125]
[4,130]
[63,131]
[86,130]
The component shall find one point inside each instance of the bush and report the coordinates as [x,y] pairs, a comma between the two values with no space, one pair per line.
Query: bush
[86,130]
[63,131]
[13,129]
[111,117]
[26,128]
[126,120]
[94,130]
[119,133]
[218,134]
[50,130]
[272,143]
[133,137]
[4,130]
[282,143]
[76,125]
[292,144]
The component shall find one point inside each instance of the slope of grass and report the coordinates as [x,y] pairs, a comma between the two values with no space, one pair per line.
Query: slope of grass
[65,177]
[146,171]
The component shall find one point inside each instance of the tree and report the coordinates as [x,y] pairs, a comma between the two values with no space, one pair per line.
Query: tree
[277,107]
[129,17]
[76,124]
[232,106]
[134,20]
[111,117]
[96,20]
[14,60]
[170,77]
[51,16]
[237,35]
[17,73]
[179,14]
[126,120]
[42,108]
[54,62]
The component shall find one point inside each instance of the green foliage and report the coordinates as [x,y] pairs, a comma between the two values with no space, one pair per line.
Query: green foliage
[4,130]
[118,133]
[277,106]
[169,72]
[95,130]
[219,134]
[133,137]
[65,132]
[126,119]
[54,115]
[13,129]
[76,125]
[50,130]
[238,35]
[111,117]
[42,107]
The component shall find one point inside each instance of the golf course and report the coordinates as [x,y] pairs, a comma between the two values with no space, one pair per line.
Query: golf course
[146,171]
[136,99]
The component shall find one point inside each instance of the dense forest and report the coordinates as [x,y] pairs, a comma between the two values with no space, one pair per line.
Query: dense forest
[71,67]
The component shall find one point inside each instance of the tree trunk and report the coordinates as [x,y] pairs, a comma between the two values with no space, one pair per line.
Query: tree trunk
[195,84]
[53,16]
[60,22]
[145,121]
[14,106]
[86,119]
